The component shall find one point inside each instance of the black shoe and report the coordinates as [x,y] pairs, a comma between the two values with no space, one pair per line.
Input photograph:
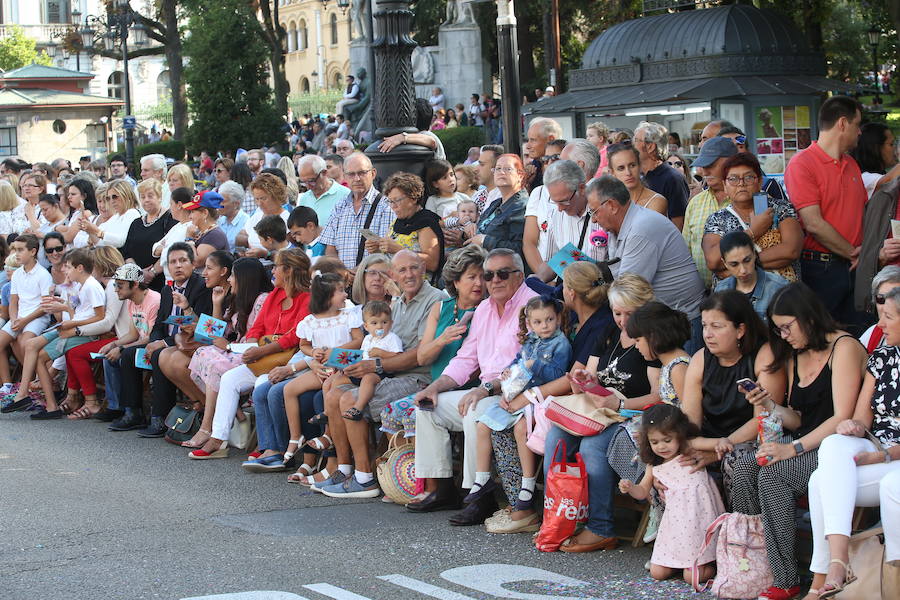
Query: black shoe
[47,415]
[131,419]
[480,492]
[17,406]
[108,416]
[476,512]
[439,500]
[156,429]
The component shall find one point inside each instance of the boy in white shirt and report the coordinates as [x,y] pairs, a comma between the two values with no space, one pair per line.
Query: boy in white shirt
[30,282]
[86,307]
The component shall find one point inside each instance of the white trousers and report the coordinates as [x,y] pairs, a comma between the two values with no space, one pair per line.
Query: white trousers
[838,485]
[433,452]
[234,382]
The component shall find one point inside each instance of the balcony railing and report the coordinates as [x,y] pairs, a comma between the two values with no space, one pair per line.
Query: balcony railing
[41,33]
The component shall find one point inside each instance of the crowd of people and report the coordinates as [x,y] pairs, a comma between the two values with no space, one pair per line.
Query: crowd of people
[703,303]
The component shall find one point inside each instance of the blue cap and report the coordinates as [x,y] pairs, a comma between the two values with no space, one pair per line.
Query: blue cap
[205,200]
[714,149]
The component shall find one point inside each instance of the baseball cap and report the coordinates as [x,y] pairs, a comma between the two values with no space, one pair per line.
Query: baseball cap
[205,200]
[714,149]
[129,272]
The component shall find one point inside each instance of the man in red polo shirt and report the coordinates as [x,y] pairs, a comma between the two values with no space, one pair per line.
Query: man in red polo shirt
[825,185]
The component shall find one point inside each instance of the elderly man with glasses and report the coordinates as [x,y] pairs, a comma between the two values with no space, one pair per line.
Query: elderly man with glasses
[443,406]
[322,192]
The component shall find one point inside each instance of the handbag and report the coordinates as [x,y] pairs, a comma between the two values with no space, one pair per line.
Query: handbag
[241,431]
[182,423]
[270,361]
[565,500]
[742,561]
[537,424]
[875,577]
[396,470]
[579,416]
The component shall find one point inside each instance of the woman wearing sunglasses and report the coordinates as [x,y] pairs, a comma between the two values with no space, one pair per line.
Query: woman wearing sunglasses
[502,224]
[123,210]
[54,249]
[680,164]
[887,279]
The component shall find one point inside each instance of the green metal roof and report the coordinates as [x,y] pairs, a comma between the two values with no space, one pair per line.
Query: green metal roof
[34,71]
[25,97]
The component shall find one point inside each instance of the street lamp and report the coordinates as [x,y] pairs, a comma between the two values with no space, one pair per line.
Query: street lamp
[874,35]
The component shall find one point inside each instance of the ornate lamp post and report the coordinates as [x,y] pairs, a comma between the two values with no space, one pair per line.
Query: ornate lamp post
[70,37]
[874,34]
[508,48]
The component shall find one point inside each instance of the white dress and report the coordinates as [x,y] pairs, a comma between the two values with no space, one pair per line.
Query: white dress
[329,332]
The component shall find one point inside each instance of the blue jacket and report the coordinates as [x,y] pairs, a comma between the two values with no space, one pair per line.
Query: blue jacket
[552,357]
[767,284]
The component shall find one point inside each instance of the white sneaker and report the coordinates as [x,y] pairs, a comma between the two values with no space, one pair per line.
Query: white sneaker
[6,388]
[652,525]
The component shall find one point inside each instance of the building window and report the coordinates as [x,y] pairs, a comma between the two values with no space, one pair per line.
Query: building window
[56,11]
[334,33]
[9,143]
[304,85]
[59,126]
[302,36]
[163,87]
[115,87]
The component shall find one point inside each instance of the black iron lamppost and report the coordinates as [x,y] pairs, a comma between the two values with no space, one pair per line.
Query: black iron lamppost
[113,30]
[70,37]
[874,35]
[508,48]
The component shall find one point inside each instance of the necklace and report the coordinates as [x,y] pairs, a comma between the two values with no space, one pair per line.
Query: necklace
[456,310]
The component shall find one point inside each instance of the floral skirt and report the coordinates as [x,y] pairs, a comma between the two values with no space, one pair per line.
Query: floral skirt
[209,363]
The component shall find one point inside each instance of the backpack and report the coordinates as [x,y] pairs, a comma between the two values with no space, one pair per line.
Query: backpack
[536,420]
[742,562]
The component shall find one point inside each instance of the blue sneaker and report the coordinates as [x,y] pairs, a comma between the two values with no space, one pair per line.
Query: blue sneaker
[352,488]
[334,479]
[265,465]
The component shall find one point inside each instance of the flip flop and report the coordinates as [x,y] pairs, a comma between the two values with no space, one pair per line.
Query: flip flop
[83,413]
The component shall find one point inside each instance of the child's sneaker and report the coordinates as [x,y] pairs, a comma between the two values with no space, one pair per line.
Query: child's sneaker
[652,525]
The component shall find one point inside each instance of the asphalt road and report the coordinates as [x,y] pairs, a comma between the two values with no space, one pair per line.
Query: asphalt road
[92,514]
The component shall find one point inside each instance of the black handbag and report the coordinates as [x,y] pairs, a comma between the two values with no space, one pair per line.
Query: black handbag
[182,423]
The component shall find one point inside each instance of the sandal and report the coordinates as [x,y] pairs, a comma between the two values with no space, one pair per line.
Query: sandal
[194,444]
[303,472]
[832,589]
[353,414]
[319,419]
[309,480]
[84,412]
[323,442]
[70,405]
[290,454]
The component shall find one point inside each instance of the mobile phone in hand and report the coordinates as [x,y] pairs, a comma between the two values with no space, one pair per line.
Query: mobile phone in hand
[466,318]
[747,385]
[760,203]
[426,404]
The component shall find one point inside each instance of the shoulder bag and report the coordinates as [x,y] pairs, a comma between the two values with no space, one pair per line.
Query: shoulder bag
[270,361]
[182,423]
[396,470]
[579,416]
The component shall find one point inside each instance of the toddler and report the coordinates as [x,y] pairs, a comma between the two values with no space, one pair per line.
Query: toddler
[466,220]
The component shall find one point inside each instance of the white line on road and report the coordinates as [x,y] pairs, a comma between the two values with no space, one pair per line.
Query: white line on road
[424,588]
[326,589]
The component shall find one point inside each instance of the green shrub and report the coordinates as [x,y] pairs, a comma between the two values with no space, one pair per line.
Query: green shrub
[458,140]
[172,149]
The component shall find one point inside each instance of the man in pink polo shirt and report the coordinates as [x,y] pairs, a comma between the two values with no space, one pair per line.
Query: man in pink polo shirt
[825,185]
[490,347]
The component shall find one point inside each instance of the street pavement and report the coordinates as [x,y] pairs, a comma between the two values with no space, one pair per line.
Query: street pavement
[93,514]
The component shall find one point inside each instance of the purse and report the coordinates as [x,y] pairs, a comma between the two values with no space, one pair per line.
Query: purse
[396,470]
[270,361]
[182,423]
[579,416]
[875,577]
[537,424]
[241,432]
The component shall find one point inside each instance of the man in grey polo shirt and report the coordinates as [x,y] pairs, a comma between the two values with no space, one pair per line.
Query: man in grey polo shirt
[410,310]
[650,245]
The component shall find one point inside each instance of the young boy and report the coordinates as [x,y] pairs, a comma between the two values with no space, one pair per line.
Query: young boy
[305,231]
[9,267]
[272,234]
[86,307]
[30,282]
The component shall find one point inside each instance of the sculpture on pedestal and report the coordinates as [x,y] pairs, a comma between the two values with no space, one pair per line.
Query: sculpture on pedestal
[359,16]
[357,109]
[459,12]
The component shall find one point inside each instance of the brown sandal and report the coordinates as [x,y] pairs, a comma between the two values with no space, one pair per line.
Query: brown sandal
[84,412]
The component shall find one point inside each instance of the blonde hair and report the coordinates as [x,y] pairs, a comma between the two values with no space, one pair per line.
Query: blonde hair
[358,291]
[148,185]
[13,179]
[39,180]
[630,291]
[124,189]
[271,186]
[8,199]
[585,279]
[12,261]
[107,259]
[183,172]
[601,128]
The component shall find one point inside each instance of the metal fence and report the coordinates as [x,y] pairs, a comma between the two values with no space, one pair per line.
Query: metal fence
[315,102]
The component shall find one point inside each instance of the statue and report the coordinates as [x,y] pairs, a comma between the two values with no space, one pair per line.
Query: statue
[354,111]
[359,15]
[422,65]
[459,12]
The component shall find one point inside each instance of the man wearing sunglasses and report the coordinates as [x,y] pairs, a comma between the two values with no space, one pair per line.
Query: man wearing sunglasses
[490,347]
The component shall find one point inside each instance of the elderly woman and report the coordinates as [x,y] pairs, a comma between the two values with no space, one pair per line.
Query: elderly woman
[123,210]
[887,279]
[858,471]
[222,171]
[502,224]
[745,274]
[735,349]
[32,186]
[625,165]
[415,227]
[204,231]
[270,195]
[776,231]
[284,307]
[373,280]
[825,369]
[148,230]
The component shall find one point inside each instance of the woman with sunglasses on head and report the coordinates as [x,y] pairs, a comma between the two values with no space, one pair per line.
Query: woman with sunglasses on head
[123,210]
[625,165]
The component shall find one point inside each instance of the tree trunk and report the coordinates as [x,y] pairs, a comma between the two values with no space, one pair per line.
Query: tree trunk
[812,18]
[169,16]
[273,34]
[526,46]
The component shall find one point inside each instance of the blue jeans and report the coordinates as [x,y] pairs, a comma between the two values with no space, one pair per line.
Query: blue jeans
[112,379]
[271,420]
[696,341]
[601,477]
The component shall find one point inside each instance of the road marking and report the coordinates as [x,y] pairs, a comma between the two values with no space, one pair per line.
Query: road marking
[326,589]
[490,579]
[255,595]
[424,588]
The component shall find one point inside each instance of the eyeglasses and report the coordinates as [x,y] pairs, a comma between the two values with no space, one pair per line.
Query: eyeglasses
[880,298]
[676,163]
[309,182]
[592,211]
[53,249]
[357,174]
[785,329]
[746,179]
[221,170]
[564,202]
[376,272]
[502,274]
[25,185]
[395,201]
[504,169]
[549,158]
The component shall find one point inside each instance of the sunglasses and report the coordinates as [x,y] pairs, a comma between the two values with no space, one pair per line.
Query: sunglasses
[741,139]
[549,158]
[55,249]
[676,163]
[502,274]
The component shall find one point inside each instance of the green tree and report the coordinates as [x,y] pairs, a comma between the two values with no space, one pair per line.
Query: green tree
[228,79]
[18,50]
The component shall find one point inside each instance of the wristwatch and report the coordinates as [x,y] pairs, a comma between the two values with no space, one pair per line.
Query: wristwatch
[378,368]
[78,331]
[404,137]
[488,386]
[798,448]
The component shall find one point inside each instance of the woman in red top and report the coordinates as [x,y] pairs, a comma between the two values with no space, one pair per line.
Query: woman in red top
[285,306]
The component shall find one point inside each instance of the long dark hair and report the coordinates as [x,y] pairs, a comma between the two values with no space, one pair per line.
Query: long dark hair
[800,302]
[737,309]
[251,280]
[87,190]
[868,149]
[322,290]
[666,419]
[242,174]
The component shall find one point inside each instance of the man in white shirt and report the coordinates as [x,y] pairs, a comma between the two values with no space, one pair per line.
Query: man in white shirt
[351,95]
[437,99]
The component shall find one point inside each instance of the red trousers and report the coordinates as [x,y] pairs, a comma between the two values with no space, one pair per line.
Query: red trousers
[78,366]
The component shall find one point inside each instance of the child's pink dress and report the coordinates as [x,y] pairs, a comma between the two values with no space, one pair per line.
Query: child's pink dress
[692,503]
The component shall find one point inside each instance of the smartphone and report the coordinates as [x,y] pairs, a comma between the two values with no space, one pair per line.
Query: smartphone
[426,405]
[466,318]
[369,234]
[747,385]
[593,388]
[760,203]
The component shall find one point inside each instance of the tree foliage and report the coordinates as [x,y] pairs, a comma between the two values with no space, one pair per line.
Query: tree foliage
[228,79]
[18,50]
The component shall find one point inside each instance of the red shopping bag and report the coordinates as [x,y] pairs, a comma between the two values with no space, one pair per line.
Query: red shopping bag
[565,500]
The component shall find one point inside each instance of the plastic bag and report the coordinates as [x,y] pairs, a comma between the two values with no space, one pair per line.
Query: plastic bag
[565,500]
[769,427]
[516,381]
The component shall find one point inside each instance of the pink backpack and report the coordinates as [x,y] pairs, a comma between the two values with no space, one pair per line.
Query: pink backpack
[536,420]
[742,562]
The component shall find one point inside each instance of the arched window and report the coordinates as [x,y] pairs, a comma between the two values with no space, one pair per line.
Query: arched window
[337,81]
[115,85]
[304,85]
[163,87]
[334,32]
[291,37]
[302,39]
